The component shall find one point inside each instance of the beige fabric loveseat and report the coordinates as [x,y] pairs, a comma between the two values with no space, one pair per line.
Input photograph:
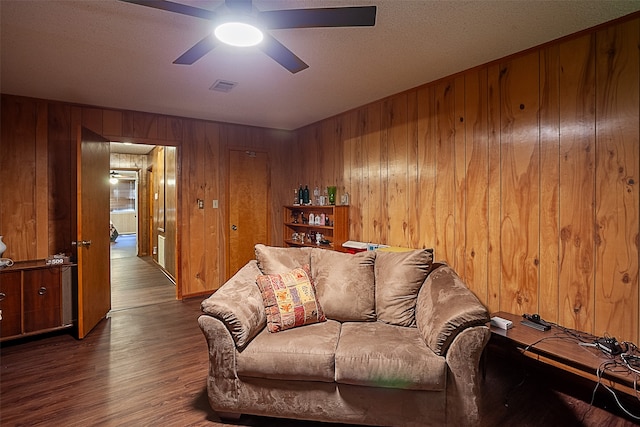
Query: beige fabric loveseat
[400,345]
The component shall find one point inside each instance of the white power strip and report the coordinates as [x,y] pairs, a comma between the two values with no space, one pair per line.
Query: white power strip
[501,323]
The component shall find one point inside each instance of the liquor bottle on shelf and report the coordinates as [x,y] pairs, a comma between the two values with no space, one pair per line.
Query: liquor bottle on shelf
[300,194]
[305,195]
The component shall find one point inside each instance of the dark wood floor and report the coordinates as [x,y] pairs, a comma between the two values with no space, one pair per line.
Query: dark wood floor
[147,364]
[147,286]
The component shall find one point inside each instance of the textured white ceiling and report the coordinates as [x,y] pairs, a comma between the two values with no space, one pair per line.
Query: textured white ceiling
[119,55]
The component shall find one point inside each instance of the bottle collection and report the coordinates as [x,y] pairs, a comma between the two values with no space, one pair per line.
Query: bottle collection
[312,219]
[310,237]
[302,196]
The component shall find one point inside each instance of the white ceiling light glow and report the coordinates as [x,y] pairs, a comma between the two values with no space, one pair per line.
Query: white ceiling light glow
[237,33]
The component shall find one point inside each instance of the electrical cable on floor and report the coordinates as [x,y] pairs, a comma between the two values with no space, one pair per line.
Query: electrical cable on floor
[601,369]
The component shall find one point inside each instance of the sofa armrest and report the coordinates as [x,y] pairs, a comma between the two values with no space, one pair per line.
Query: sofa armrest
[445,307]
[222,381]
[238,304]
[463,379]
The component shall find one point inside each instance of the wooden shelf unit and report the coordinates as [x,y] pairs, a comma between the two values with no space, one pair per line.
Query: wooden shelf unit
[35,298]
[337,233]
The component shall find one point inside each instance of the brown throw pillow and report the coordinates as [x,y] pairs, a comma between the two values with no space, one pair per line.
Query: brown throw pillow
[289,299]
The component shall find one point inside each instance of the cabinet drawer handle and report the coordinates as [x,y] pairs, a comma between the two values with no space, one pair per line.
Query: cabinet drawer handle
[2,296]
[42,290]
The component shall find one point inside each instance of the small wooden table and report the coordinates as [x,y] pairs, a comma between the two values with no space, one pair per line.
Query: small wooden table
[561,349]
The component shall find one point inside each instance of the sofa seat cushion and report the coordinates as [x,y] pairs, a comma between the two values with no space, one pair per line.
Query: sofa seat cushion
[304,354]
[377,354]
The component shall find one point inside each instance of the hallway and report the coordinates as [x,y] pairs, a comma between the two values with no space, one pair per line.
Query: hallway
[136,281]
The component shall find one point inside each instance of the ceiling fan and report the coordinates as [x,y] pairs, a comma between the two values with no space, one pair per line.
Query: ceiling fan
[243,13]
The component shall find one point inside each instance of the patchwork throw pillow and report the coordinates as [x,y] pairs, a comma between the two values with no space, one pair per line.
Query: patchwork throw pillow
[289,299]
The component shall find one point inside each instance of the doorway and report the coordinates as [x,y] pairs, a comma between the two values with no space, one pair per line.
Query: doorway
[137,277]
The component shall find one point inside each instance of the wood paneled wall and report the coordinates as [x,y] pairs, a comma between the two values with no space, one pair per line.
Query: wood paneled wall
[37,208]
[521,174]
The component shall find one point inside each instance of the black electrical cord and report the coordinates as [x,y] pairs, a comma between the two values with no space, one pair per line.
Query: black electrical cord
[630,363]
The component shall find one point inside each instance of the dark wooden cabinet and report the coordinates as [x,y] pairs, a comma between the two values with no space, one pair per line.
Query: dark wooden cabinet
[10,303]
[42,299]
[35,298]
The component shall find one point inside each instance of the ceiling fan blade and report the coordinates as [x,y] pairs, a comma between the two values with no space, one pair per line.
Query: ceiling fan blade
[281,54]
[170,6]
[356,16]
[198,50]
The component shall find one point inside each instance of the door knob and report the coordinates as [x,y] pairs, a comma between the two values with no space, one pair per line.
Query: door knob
[234,227]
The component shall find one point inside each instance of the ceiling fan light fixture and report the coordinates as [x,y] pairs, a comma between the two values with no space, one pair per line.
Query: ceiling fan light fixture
[238,33]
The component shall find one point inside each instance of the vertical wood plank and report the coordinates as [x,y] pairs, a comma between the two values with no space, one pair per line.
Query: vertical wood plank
[357,187]
[145,125]
[112,123]
[445,171]
[577,160]
[92,119]
[341,131]
[476,217]
[617,153]
[375,220]
[494,191]
[460,196]
[18,175]
[214,220]
[174,129]
[548,304]
[42,181]
[413,190]
[395,206]
[349,174]
[520,184]
[194,262]
[283,172]
[425,198]
[312,159]
[61,169]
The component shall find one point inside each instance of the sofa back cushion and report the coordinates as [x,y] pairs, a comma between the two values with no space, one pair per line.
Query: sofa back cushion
[398,278]
[275,260]
[345,284]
